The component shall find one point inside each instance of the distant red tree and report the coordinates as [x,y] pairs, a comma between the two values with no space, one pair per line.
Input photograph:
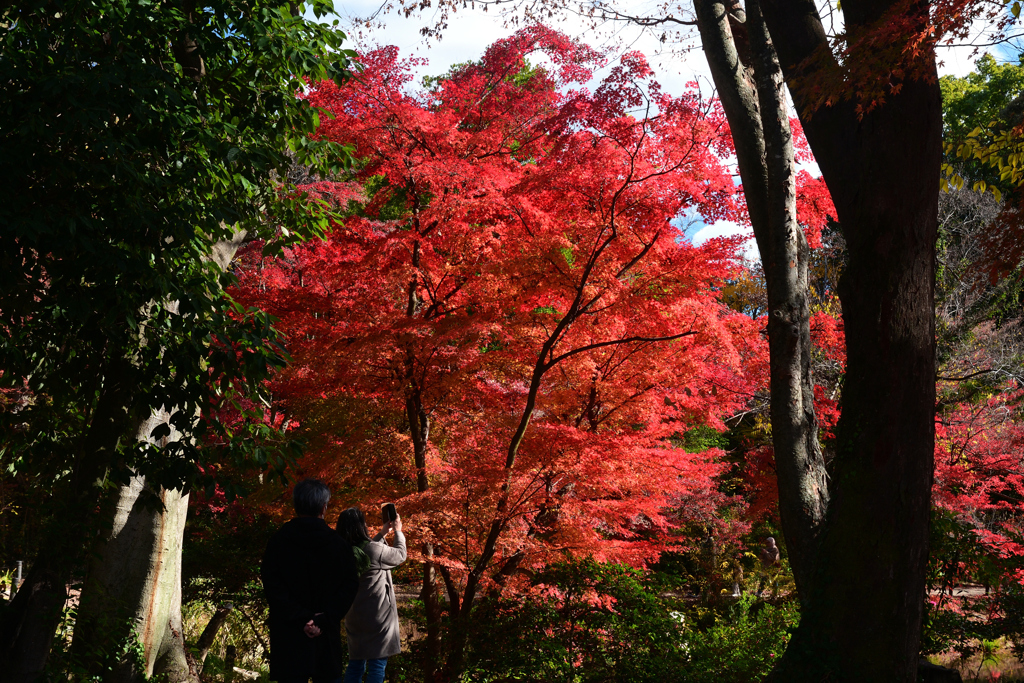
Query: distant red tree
[979,476]
[978,466]
[508,330]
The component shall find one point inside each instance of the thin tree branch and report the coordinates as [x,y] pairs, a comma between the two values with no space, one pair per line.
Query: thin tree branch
[625,340]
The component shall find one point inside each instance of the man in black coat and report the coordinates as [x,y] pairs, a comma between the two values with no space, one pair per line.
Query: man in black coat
[310,580]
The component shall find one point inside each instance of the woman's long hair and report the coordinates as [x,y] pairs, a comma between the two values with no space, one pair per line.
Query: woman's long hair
[352,526]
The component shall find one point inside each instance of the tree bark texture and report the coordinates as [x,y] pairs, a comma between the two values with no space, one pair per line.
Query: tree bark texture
[209,634]
[749,80]
[862,616]
[134,589]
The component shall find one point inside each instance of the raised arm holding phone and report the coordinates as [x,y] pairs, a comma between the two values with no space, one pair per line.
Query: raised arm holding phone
[371,625]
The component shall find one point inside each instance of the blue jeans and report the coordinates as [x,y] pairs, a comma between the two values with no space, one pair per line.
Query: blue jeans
[374,670]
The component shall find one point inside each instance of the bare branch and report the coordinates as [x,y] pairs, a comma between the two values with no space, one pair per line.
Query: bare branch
[612,342]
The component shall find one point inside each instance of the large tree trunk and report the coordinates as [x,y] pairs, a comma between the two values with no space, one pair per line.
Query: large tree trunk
[862,618]
[750,84]
[859,546]
[32,618]
[134,590]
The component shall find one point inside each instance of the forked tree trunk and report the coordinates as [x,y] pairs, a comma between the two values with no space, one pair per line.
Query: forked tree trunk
[858,543]
[862,618]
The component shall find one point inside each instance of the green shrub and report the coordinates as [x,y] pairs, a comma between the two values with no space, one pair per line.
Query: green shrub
[742,645]
[64,664]
[587,622]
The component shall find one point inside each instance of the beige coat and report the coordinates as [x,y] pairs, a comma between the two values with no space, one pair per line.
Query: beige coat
[372,622]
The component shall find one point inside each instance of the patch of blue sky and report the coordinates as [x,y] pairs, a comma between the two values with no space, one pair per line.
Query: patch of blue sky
[693,228]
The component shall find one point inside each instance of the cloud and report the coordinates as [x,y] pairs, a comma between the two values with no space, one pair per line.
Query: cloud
[728,229]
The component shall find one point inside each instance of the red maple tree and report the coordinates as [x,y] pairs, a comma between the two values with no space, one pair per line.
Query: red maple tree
[508,330]
[979,475]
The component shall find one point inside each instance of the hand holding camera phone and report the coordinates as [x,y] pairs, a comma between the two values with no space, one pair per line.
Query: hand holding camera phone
[388,512]
[390,517]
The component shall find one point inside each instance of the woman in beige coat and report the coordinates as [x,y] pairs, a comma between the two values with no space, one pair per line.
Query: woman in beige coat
[372,622]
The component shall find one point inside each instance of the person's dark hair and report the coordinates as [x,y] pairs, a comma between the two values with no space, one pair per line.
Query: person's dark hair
[310,497]
[352,526]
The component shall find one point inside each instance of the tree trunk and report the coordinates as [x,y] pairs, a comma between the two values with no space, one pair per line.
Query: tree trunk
[229,664]
[209,634]
[862,617]
[859,546]
[750,85]
[133,592]
[428,594]
[419,430]
[31,620]
[419,425]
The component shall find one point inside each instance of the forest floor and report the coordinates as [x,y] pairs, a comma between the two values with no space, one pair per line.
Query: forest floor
[1006,668]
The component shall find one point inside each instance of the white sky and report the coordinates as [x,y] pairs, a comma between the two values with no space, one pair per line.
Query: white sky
[471,31]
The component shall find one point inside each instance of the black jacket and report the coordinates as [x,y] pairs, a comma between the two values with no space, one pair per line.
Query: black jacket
[307,569]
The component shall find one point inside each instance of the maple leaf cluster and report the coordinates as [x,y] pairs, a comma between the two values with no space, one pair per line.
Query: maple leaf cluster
[814,207]
[506,331]
[979,474]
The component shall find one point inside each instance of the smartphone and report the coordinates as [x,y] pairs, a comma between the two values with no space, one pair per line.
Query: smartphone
[388,512]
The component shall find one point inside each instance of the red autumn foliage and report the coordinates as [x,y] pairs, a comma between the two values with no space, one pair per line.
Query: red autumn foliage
[979,471]
[1002,244]
[813,206]
[507,330]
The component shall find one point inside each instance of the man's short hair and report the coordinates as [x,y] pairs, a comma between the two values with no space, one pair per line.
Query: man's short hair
[310,497]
